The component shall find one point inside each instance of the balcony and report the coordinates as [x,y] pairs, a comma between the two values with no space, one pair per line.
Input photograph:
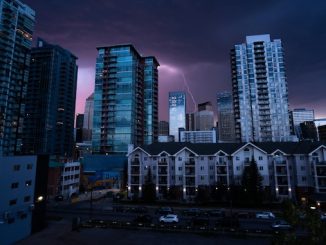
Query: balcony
[282,181]
[221,170]
[321,171]
[162,170]
[281,170]
[135,162]
[280,162]
[322,182]
[319,163]
[163,162]
[190,161]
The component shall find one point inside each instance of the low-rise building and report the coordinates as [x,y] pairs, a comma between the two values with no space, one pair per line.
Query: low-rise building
[63,178]
[23,196]
[286,168]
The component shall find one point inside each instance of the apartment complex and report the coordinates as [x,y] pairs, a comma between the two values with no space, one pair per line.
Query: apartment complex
[125,99]
[287,168]
[16,29]
[260,95]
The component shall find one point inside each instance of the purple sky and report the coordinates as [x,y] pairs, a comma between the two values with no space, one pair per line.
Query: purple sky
[191,38]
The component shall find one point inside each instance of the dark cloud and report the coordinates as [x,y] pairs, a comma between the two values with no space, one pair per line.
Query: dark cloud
[193,36]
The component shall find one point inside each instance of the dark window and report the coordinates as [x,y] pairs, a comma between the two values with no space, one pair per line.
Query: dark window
[14,185]
[16,167]
[29,166]
[28,183]
[27,198]
[12,202]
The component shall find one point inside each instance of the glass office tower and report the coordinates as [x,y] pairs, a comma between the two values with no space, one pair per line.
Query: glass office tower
[260,94]
[177,113]
[125,99]
[16,29]
[225,117]
[50,104]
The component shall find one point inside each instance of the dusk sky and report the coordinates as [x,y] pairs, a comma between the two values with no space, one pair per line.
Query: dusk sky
[191,38]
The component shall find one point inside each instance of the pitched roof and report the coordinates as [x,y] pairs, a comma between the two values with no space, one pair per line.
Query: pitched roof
[304,147]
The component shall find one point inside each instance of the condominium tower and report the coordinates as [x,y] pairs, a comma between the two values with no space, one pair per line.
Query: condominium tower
[260,94]
[50,104]
[177,113]
[125,99]
[16,28]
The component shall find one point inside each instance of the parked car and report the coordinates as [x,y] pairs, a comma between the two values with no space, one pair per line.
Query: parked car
[265,215]
[281,225]
[192,212]
[144,219]
[169,218]
[164,211]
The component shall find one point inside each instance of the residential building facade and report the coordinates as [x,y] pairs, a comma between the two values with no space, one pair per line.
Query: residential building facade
[208,136]
[260,95]
[287,168]
[17,26]
[63,178]
[22,206]
[225,117]
[177,113]
[50,104]
[125,99]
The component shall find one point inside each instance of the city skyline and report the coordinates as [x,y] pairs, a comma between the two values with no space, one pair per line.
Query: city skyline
[196,48]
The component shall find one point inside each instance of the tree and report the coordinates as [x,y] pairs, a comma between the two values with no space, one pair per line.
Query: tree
[149,192]
[252,183]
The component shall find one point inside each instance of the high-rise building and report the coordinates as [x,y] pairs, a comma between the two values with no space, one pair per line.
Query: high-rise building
[50,104]
[177,113]
[88,118]
[204,117]
[163,128]
[150,100]
[125,99]
[16,30]
[299,116]
[79,128]
[308,131]
[260,95]
[225,117]
[322,133]
[190,121]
